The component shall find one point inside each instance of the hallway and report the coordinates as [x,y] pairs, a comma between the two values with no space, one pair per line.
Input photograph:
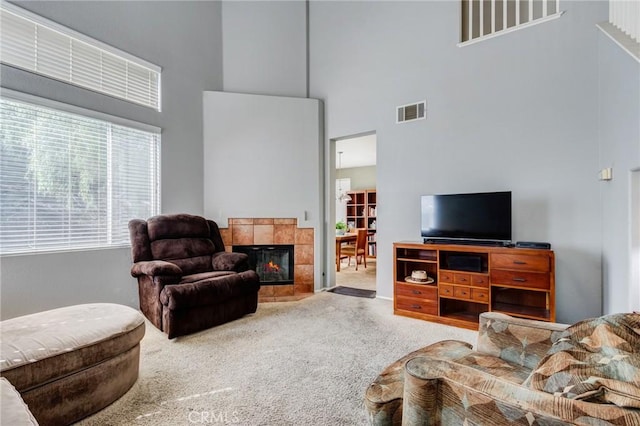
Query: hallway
[363,278]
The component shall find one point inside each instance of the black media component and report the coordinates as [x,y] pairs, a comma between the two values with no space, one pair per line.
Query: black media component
[486,243]
[465,262]
[475,218]
[533,245]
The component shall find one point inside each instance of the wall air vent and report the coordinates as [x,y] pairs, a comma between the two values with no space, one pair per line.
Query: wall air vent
[411,112]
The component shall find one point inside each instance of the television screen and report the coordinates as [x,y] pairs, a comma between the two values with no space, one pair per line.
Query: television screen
[467,217]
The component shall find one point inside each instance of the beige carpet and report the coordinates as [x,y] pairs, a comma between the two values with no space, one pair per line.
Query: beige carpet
[363,278]
[292,363]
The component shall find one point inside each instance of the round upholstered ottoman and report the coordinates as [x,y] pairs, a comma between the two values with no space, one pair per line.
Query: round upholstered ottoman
[70,362]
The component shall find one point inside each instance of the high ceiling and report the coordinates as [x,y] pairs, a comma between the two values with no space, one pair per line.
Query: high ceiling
[356,152]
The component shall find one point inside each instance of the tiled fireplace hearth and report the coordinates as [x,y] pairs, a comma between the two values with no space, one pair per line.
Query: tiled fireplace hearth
[274,233]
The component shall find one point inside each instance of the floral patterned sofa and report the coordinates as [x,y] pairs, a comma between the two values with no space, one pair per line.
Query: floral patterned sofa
[521,372]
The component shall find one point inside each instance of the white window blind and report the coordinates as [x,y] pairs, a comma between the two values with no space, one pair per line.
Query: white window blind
[625,15]
[36,44]
[69,181]
[484,19]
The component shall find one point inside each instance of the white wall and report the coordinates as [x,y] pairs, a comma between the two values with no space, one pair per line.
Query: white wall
[619,135]
[46,281]
[262,158]
[265,47]
[167,34]
[517,112]
[361,177]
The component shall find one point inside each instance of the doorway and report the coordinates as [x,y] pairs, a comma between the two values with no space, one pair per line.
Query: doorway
[356,209]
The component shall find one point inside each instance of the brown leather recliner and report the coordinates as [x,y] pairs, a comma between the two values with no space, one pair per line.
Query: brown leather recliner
[186,280]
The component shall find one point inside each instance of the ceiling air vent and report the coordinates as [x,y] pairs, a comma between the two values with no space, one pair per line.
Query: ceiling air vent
[411,112]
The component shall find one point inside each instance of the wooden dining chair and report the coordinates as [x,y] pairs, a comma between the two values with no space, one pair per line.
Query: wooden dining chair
[357,250]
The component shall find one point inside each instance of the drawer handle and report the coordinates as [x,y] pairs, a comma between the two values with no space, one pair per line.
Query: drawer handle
[480,281]
[463,279]
[416,307]
[520,280]
[519,262]
[416,292]
[464,293]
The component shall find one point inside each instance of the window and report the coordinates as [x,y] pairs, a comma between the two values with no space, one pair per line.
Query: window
[69,180]
[625,15]
[38,45]
[624,25]
[483,19]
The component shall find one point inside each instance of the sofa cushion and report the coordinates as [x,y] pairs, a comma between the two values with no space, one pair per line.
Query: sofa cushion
[41,347]
[597,360]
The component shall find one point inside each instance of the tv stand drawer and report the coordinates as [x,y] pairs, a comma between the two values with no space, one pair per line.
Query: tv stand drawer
[538,280]
[422,306]
[480,281]
[446,277]
[459,278]
[462,292]
[521,262]
[416,291]
[480,295]
[445,290]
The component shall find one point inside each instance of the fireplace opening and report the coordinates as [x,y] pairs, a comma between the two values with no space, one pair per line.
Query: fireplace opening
[273,263]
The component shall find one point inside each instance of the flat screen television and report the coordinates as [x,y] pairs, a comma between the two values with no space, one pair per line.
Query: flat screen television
[483,217]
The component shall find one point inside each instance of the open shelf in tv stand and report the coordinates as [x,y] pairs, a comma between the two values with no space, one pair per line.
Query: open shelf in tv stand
[471,279]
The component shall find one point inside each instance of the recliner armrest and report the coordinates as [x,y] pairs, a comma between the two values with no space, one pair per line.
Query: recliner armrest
[155,268]
[225,261]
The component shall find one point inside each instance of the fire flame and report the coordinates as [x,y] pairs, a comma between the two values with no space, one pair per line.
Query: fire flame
[272,267]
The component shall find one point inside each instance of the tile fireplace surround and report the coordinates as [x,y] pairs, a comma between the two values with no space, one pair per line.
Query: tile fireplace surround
[250,231]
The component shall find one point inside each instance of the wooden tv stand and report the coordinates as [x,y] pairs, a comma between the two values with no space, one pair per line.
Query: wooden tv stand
[469,280]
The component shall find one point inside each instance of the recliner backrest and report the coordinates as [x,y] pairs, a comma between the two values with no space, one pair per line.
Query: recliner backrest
[182,239]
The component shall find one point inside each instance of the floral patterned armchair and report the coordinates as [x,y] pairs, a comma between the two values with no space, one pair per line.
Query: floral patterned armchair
[522,372]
